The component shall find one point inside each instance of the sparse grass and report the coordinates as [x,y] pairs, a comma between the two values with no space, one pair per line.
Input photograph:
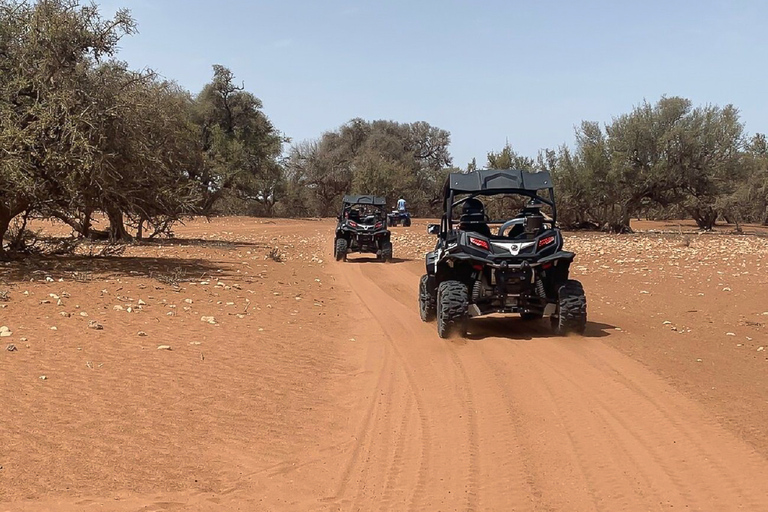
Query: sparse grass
[275,255]
[174,277]
[83,276]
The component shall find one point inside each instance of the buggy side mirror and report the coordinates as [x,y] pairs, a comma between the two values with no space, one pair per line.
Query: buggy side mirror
[433,229]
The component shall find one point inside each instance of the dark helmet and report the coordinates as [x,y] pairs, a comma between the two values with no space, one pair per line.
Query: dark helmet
[533,206]
[472,211]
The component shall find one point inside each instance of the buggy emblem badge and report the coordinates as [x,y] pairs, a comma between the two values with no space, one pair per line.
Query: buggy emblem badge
[512,248]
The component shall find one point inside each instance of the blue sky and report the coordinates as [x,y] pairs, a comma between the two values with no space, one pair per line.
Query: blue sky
[488,72]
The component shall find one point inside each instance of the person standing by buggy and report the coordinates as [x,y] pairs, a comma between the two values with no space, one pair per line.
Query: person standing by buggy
[401,205]
[399,214]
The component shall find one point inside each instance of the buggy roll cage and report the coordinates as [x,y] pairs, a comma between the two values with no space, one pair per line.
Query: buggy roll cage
[349,201]
[492,182]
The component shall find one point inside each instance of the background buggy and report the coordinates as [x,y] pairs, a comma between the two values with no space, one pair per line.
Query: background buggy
[362,228]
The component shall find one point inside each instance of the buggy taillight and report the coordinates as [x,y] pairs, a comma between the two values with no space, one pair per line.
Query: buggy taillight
[378,225]
[479,242]
[546,241]
[353,223]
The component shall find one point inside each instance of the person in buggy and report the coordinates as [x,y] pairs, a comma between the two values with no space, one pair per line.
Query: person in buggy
[473,218]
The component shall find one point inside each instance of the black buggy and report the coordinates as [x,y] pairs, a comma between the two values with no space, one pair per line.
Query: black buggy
[520,268]
[362,228]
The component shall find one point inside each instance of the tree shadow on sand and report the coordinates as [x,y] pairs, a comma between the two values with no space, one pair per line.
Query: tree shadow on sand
[199,242]
[166,270]
[365,259]
[513,328]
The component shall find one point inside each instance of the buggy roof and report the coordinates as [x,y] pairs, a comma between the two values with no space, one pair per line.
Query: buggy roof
[373,200]
[497,180]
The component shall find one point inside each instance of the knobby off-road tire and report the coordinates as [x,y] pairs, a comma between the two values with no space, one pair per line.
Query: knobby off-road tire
[571,309]
[452,305]
[386,251]
[407,222]
[427,301]
[340,249]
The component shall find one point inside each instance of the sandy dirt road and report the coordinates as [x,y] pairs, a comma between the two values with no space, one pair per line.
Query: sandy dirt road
[331,394]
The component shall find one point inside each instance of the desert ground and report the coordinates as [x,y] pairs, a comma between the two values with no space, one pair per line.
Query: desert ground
[238,367]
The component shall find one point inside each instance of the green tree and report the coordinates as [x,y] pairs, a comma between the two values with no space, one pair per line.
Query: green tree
[240,145]
[372,157]
[46,52]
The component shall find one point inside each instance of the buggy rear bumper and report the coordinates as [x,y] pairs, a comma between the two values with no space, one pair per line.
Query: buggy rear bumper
[499,263]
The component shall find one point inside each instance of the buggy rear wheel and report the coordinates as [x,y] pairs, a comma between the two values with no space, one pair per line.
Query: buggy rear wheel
[407,222]
[571,309]
[340,249]
[427,300]
[386,251]
[452,305]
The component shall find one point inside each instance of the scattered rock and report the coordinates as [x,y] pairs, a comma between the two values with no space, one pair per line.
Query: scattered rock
[730,334]
[11,347]
[83,313]
[43,377]
[118,308]
[54,328]
[93,324]
[667,322]
[209,319]
[65,314]
[164,347]
[699,360]
[141,303]
[760,349]
[142,333]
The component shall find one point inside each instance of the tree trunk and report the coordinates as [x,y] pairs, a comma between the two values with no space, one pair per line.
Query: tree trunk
[86,224]
[117,231]
[5,222]
[7,214]
[705,217]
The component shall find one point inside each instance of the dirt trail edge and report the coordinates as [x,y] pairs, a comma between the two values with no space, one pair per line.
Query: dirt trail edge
[544,423]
